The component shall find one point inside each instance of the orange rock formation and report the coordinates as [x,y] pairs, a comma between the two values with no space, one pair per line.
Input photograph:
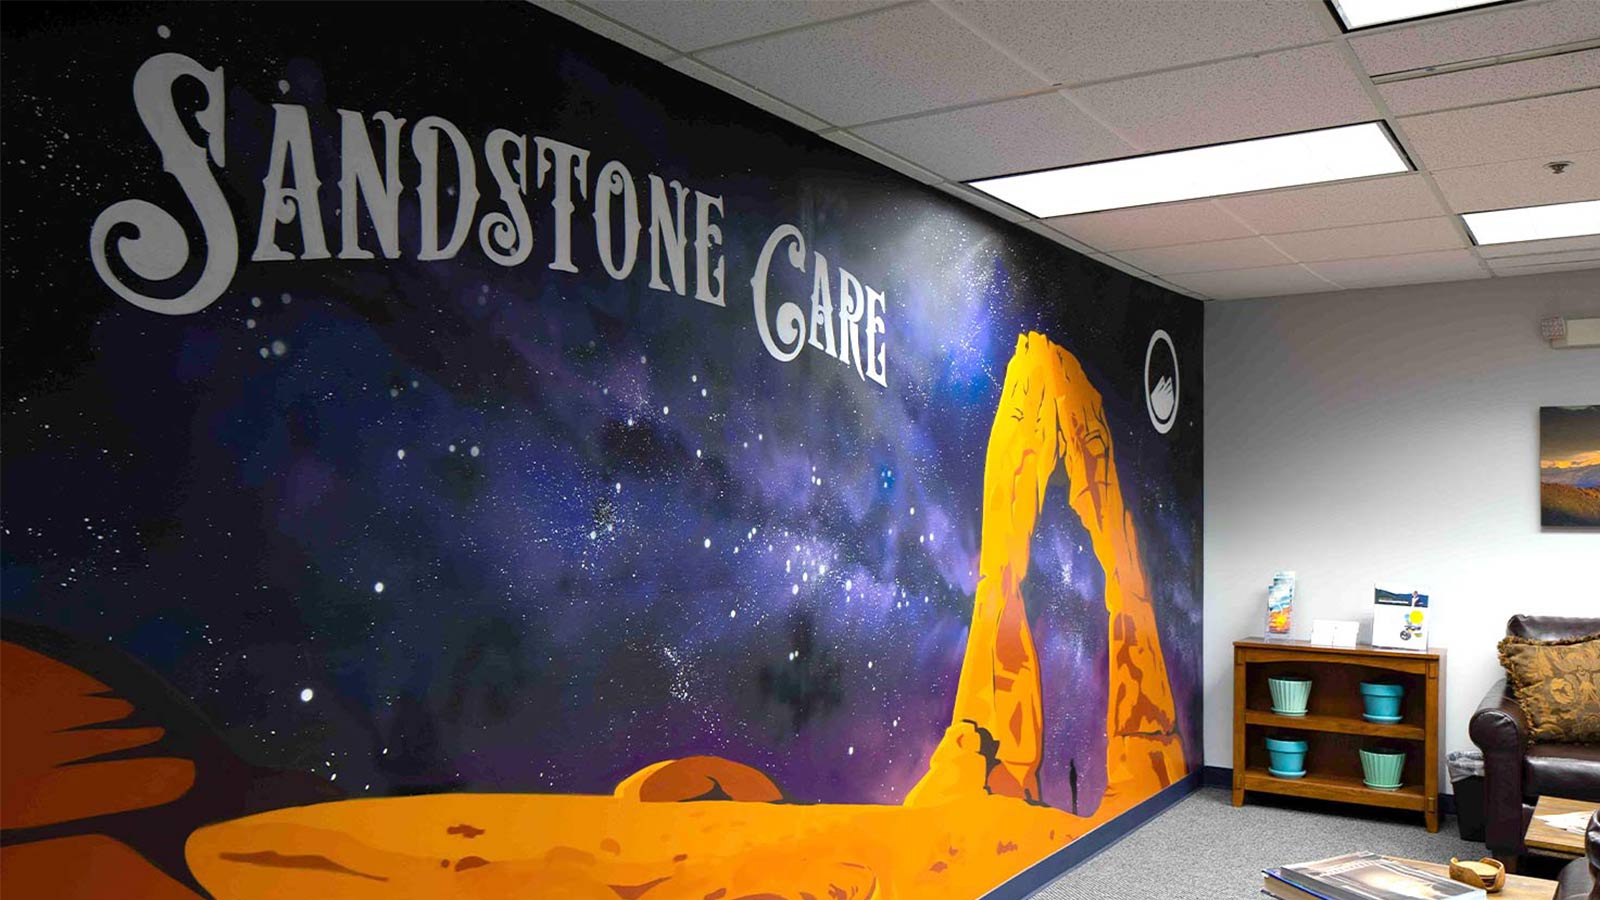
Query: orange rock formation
[1050,416]
[84,867]
[59,724]
[68,757]
[567,847]
[698,778]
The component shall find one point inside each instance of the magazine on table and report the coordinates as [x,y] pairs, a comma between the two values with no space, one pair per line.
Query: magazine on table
[1283,890]
[1363,876]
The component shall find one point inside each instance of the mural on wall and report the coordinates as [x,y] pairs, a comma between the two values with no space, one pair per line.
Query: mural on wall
[436,470]
[1569,465]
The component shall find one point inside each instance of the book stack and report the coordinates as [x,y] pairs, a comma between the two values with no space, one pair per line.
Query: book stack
[1361,876]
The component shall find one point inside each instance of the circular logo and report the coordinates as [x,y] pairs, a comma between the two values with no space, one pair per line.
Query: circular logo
[1161,382]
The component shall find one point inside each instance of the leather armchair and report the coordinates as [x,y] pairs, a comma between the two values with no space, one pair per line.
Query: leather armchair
[1580,880]
[1515,772]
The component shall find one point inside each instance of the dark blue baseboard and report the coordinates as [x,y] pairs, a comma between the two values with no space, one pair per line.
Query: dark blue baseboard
[1081,850]
[1221,776]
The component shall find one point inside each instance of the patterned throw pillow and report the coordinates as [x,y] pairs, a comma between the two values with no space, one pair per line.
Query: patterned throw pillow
[1557,684]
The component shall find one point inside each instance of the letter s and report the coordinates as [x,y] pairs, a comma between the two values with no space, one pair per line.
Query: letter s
[507,237]
[160,249]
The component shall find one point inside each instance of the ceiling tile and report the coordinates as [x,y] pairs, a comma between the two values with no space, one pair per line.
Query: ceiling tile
[1020,135]
[1507,263]
[1209,256]
[694,24]
[1152,226]
[1554,245]
[901,61]
[1493,32]
[1569,266]
[1360,241]
[968,195]
[1528,78]
[1387,199]
[1441,265]
[1234,100]
[1523,182]
[1238,284]
[606,28]
[1587,255]
[1091,40]
[1521,129]
[881,156]
[746,93]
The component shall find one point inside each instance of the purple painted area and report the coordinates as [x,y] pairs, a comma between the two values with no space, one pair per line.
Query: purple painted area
[610,528]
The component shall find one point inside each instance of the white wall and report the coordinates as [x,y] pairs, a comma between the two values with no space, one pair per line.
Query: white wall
[1390,435]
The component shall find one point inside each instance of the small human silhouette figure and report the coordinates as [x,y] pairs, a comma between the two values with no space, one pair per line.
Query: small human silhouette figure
[1072,780]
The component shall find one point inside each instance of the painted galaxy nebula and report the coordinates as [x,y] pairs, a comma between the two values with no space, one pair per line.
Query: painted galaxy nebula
[416,527]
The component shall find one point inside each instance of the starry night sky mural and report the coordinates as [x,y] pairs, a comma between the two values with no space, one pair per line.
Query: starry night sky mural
[449,525]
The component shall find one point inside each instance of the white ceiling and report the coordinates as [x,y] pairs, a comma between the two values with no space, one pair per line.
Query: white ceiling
[952,90]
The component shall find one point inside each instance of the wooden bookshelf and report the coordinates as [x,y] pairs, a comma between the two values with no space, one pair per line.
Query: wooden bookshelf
[1333,728]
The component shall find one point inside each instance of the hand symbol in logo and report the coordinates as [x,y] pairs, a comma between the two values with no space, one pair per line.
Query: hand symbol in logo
[1163,399]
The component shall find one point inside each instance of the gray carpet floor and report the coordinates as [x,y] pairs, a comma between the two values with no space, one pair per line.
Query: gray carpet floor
[1203,848]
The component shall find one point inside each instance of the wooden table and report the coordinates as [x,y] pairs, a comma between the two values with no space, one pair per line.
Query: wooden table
[1518,887]
[1334,729]
[1553,840]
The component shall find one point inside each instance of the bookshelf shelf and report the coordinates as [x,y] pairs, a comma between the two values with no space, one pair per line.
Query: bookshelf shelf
[1336,724]
[1345,788]
[1333,728]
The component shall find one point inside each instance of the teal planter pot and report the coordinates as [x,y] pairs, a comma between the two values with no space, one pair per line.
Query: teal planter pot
[1380,769]
[1290,695]
[1382,701]
[1286,758]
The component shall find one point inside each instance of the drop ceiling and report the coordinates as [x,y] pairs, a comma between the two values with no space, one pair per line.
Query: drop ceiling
[947,91]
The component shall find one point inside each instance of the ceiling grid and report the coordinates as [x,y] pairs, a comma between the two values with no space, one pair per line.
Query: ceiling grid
[949,91]
[1406,144]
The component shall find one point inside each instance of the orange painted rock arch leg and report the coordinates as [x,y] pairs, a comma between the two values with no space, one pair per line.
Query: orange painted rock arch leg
[1049,415]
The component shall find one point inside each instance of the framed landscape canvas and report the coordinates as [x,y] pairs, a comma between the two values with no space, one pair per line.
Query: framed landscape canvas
[1569,465]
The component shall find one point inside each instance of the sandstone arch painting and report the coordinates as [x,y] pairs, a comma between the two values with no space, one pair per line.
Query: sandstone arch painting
[847,557]
[705,826]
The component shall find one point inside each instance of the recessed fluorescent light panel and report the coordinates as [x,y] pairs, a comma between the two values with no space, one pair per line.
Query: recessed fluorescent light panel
[1367,13]
[1534,223]
[1310,157]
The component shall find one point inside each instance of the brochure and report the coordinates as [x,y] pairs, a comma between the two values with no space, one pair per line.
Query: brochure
[1280,604]
[1400,619]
